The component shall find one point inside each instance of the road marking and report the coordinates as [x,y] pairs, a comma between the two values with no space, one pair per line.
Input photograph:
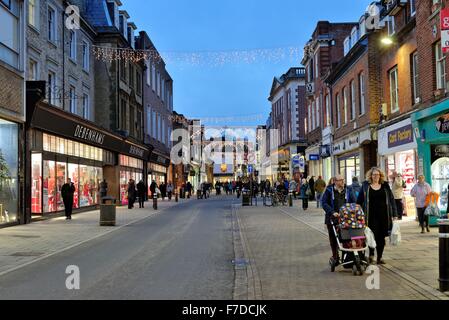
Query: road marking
[3,273]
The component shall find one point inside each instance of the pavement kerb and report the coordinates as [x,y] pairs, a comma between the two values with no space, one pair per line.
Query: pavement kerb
[414,283]
[152,215]
[247,284]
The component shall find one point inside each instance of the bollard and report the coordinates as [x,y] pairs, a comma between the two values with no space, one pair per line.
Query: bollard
[290,199]
[176,197]
[444,254]
[155,201]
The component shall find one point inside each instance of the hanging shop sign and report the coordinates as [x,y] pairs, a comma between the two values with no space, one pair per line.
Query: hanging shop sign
[400,136]
[442,124]
[439,151]
[325,151]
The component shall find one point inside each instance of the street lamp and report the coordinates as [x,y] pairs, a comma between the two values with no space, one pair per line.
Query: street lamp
[387,41]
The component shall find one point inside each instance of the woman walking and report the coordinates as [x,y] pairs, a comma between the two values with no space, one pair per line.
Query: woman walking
[420,192]
[377,200]
[398,192]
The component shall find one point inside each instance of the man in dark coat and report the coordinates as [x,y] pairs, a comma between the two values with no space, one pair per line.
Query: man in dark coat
[312,188]
[189,189]
[67,192]
[131,194]
[153,187]
[163,189]
[141,189]
[335,197]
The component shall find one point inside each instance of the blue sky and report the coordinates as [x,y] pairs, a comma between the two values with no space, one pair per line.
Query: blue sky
[237,91]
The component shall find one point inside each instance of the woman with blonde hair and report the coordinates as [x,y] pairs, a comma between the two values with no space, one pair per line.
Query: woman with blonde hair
[377,200]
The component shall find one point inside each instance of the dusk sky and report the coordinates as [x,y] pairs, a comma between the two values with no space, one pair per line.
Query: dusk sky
[234,90]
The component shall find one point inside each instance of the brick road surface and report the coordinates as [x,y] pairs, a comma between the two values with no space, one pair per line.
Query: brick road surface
[288,251]
[28,243]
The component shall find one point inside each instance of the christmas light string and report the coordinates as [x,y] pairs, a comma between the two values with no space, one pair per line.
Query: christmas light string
[212,58]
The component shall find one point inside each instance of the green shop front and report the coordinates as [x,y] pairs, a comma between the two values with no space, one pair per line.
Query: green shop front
[431,128]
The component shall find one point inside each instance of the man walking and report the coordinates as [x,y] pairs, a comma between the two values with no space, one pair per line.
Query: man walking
[141,189]
[131,194]
[335,197]
[67,192]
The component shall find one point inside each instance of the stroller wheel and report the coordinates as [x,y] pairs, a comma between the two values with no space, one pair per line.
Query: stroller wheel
[332,263]
[354,270]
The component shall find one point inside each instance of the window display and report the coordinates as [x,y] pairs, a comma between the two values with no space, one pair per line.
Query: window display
[49,186]
[440,180]
[90,178]
[36,183]
[9,164]
[61,178]
[350,168]
[73,174]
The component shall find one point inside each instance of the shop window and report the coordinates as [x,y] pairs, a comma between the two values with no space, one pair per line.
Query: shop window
[9,190]
[36,183]
[73,174]
[89,185]
[440,180]
[49,186]
[61,178]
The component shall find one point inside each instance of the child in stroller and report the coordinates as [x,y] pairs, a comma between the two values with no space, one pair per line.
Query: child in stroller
[349,229]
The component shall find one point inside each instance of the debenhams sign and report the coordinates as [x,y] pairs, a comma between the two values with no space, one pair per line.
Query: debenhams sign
[89,135]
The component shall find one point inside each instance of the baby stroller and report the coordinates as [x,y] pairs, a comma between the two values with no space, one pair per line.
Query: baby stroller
[349,229]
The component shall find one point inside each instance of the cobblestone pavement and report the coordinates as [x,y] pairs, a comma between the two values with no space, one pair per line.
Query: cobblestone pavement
[25,244]
[288,251]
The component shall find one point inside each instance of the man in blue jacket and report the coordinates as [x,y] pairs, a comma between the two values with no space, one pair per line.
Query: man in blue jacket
[335,197]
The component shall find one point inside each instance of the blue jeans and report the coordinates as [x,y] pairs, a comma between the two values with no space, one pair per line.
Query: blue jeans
[318,199]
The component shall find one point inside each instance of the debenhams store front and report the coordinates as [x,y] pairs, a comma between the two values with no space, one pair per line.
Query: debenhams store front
[61,146]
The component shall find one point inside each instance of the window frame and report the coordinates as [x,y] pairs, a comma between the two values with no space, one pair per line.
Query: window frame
[362,91]
[86,56]
[394,105]
[52,34]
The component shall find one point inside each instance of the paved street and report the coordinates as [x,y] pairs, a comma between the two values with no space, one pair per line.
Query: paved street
[183,252]
[186,251]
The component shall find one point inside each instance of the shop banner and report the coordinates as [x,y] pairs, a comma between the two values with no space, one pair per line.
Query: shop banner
[79,130]
[442,124]
[400,136]
[444,18]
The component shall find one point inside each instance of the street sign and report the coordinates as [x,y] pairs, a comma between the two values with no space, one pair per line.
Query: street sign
[250,169]
[302,163]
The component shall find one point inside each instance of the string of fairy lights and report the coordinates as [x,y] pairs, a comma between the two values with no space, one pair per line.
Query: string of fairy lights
[211,58]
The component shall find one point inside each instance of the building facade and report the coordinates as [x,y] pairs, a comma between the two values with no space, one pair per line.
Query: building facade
[158,111]
[83,110]
[288,111]
[325,48]
[12,111]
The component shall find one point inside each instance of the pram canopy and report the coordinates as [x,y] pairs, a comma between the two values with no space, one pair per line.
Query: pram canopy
[352,217]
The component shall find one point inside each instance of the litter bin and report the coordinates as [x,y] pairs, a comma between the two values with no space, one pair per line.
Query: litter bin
[107,212]
[246,198]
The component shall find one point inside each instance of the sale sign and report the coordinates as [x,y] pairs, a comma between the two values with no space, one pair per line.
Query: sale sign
[444,18]
[445,41]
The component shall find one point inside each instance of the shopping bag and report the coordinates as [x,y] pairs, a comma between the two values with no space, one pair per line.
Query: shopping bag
[370,240]
[395,237]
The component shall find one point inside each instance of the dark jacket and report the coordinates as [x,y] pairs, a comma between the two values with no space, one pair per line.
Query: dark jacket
[131,191]
[363,201]
[153,187]
[141,189]
[329,204]
[67,192]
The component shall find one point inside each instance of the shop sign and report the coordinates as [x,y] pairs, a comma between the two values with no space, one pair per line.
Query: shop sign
[340,147]
[314,157]
[400,136]
[354,141]
[444,18]
[442,124]
[439,151]
[295,161]
[325,151]
[72,128]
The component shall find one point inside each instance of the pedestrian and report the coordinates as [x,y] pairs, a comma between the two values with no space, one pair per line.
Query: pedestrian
[333,199]
[377,201]
[170,189]
[420,192]
[163,188]
[293,186]
[67,193]
[305,194]
[312,188]
[141,190]
[189,189]
[131,193]
[320,187]
[398,192]
[331,182]
[355,187]
[153,187]
[103,189]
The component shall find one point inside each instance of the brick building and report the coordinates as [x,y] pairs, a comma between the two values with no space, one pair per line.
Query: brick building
[288,112]
[354,92]
[430,122]
[401,93]
[12,111]
[324,49]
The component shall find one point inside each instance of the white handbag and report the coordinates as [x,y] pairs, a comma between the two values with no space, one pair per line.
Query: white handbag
[370,239]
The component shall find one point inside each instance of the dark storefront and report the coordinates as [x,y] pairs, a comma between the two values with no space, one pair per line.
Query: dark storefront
[61,146]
